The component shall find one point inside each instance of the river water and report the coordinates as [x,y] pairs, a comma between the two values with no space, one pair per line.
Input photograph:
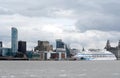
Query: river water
[59,69]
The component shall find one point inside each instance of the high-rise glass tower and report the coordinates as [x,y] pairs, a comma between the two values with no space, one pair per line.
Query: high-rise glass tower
[14,40]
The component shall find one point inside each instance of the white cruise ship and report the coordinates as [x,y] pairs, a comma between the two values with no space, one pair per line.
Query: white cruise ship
[94,55]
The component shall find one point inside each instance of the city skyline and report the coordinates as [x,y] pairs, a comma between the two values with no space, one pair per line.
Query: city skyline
[78,23]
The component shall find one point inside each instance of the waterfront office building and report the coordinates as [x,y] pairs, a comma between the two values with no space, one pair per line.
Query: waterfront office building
[0,48]
[14,40]
[60,48]
[43,49]
[22,47]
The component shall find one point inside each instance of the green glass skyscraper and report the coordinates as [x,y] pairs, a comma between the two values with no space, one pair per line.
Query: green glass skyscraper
[14,40]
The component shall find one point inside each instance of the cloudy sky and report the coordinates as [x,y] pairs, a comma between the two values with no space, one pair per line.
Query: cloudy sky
[79,23]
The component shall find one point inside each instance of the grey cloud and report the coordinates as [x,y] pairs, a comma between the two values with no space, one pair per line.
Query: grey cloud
[101,23]
[45,8]
[105,17]
[111,7]
[5,11]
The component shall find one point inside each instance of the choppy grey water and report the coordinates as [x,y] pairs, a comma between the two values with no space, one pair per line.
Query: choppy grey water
[59,69]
